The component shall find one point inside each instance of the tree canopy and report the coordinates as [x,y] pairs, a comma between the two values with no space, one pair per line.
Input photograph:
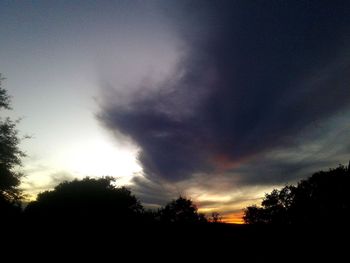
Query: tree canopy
[181,210]
[87,199]
[10,156]
[322,198]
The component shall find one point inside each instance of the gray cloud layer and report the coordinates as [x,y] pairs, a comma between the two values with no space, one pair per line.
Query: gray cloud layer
[256,77]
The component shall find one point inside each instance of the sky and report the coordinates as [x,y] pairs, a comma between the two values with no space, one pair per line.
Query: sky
[220,101]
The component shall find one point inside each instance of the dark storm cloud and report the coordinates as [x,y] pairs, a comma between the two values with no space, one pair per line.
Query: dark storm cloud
[254,76]
[152,193]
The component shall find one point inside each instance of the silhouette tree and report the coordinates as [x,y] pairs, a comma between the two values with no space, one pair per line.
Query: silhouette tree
[87,199]
[255,215]
[215,217]
[10,159]
[181,210]
[321,198]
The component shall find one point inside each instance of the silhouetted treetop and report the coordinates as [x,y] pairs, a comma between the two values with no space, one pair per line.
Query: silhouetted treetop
[181,210]
[323,197]
[87,198]
[10,158]
[215,217]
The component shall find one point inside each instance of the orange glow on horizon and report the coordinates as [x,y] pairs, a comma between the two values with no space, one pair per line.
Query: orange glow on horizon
[234,218]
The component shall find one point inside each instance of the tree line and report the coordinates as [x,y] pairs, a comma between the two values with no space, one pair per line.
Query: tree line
[322,198]
[95,199]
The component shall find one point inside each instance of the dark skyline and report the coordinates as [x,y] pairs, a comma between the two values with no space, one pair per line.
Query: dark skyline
[220,101]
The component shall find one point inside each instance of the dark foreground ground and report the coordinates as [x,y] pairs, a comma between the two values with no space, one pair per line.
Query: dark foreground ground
[106,241]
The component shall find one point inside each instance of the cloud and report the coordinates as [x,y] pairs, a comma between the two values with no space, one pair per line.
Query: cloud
[255,79]
[41,178]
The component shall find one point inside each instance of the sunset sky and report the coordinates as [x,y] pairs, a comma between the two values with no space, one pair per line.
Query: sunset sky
[220,101]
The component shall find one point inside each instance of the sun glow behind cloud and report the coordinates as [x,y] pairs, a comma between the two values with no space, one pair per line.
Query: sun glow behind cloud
[92,155]
[98,157]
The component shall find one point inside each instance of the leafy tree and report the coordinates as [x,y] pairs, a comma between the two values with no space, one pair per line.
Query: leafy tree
[87,199]
[10,158]
[321,198]
[255,215]
[181,210]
